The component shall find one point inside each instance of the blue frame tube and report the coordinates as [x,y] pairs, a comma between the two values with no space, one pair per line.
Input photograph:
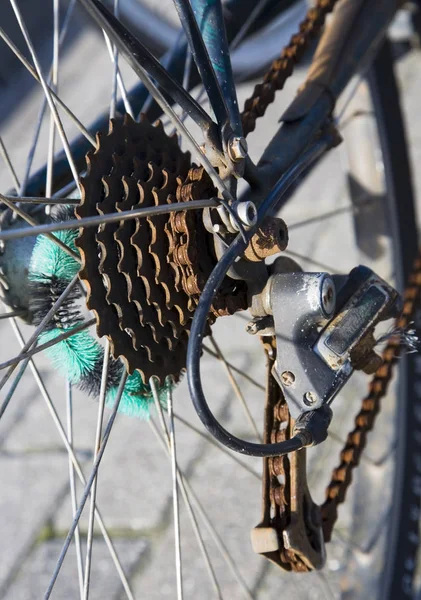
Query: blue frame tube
[210,18]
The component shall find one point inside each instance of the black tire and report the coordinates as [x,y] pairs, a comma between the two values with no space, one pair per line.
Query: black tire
[403,535]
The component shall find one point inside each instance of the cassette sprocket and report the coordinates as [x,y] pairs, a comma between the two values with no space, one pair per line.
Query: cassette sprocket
[144,276]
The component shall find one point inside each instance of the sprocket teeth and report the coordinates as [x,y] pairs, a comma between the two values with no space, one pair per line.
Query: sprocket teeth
[138,272]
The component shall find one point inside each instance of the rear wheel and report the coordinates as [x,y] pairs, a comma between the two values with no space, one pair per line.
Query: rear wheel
[333,237]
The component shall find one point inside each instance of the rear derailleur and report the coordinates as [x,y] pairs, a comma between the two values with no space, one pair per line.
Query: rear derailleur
[317,329]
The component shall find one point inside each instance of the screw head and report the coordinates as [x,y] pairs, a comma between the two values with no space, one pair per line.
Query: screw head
[309,398]
[287,378]
[237,148]
[328,296]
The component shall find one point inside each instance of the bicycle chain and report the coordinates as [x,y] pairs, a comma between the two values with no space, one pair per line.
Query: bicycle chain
[371,404]
[283,67]
[278,428]
[278,486]
[255,107]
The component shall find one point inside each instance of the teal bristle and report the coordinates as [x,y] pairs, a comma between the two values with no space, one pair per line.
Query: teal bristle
[76,356]
[49,260]
[137,399]
[80,357]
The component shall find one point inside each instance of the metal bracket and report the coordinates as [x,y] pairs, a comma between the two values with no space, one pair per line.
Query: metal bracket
[324,328]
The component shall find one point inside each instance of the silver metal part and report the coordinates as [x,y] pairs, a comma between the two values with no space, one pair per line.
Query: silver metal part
[324,330]
[247,213]
[14,266]
[338,340]
[237,148]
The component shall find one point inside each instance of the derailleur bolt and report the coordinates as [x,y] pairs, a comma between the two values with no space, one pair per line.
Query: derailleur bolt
[310,398]
[237,148]
[288,378]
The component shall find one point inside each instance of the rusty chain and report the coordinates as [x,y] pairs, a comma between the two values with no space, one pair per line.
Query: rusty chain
[255,107]
[371,404]
[283,67]
[164,311]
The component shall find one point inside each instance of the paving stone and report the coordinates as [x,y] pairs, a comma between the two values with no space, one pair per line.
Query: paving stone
[134,491]
[31,487]
[35,574]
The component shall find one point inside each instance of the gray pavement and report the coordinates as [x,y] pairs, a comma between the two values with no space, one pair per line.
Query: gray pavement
[134,492]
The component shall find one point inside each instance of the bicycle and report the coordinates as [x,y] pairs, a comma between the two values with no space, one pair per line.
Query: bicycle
[159,247]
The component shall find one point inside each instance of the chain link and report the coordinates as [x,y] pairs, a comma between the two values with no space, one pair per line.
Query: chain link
[283,67]
[371,405]
[255,107]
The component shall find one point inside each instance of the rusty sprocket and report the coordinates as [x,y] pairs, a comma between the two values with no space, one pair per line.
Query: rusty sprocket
[144,276]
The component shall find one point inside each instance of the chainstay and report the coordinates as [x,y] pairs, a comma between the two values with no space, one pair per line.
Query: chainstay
[283,67]
[371,405]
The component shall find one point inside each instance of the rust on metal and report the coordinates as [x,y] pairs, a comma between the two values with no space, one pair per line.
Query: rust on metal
[290,533]
[283,67]
[371,405]
[270,238]
[144,276]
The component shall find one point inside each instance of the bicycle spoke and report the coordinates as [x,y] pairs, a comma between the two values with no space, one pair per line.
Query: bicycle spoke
[324,216]
[188,492]
[186,82]
[69,418]
[47,92]
[165,61]
[236,389]
[34,337]
[42,200]
[43,107]
[310,260]
[32,222]
[354,90]
[60,338]
[221,448]
[175,496]
[226,555]
[13,387]
[100,418]
[257,10]
[6,158]
[75,462]
[96,220]
[132,50]
[12,313]
[164,440]
[174,470]
[335,213]
[35,75]
[364,456]
[143,62]
[88,486]
[236,369]
[114,59]
[54,86]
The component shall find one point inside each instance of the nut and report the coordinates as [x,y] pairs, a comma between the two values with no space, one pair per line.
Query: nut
[237,148]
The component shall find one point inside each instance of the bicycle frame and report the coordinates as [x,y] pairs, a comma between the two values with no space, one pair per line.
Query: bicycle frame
[306,133]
